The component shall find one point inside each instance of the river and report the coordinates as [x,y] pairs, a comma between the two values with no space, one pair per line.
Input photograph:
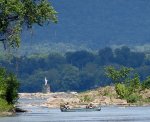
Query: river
[107,114]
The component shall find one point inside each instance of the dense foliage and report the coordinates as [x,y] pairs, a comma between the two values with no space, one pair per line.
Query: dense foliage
[118,75]
[4,106]
[146,83]
[16,14]
[8,87]
[128,88]
[77,71]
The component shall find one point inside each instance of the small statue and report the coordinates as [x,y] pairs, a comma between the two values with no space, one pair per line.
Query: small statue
[46,87]
[45,81]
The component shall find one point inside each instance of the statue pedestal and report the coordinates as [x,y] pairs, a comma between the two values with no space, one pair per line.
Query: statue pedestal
[46,89]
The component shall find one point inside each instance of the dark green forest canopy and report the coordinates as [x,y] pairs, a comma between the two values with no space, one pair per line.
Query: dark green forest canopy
[18,14]
[77,71]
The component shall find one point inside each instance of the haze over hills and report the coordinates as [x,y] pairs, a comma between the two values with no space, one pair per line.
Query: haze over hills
[93,24]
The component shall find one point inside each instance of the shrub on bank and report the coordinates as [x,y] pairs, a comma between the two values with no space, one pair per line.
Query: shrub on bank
[121,90]
[8,90]
[4,106]
[146,83]
[133,98]
[8,86]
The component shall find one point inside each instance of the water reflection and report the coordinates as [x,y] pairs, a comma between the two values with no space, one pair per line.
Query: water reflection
[107,114]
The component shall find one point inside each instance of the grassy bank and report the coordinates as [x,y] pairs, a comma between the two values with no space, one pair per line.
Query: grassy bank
[5,108]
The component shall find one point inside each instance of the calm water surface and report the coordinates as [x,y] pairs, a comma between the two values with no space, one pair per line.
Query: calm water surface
[107,114]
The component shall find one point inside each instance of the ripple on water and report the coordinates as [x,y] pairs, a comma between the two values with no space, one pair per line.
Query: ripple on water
[107,114]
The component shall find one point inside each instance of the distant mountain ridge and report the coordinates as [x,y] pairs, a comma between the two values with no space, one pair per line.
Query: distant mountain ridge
[95,24]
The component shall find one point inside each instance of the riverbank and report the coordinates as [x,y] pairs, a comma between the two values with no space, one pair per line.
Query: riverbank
[5,108]
[12,112]
[105,96]
[3,114]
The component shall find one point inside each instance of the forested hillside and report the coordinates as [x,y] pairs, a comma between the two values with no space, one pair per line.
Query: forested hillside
[74,71]
[96,24]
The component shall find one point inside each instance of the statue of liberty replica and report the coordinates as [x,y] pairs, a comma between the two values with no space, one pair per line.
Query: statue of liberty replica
[46,87]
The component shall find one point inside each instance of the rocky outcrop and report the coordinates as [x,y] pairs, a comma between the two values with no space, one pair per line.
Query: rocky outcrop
[52,100]
[55,102]
[102,96]
[57,98]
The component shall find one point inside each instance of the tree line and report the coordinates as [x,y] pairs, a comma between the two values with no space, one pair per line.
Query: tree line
[74,71]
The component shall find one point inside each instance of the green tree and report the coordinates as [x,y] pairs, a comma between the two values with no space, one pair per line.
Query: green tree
[126,87]
[3,85]
[121,90]
[126,57]
[16,14]
[89,76]
[146,83]
[69,78]
[8,86]
[79,58]
[105,56]
[134,84]
[117,75]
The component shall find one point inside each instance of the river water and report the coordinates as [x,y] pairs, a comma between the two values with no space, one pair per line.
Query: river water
[107,114]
